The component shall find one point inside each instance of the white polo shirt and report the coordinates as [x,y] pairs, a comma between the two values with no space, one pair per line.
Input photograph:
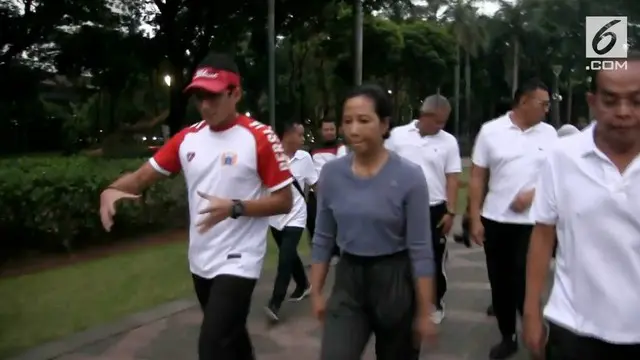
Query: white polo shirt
[437,155]
[513,158]
[244,161]
[304,172]
[596,288]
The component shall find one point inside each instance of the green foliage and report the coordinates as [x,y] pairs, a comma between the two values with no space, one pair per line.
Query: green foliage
[75,117]
[412,48]
[51,203]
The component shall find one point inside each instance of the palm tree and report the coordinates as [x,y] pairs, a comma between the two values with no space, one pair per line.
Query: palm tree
[470,36]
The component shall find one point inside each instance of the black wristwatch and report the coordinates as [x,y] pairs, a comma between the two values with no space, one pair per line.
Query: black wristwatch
[449,212]
[237,209]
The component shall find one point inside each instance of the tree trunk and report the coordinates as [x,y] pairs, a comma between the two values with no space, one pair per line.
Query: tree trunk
[467,92]
[516,66]
[456,99]
[568,119]
[177,103]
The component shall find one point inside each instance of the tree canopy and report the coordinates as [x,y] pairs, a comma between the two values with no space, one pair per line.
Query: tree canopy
[76,71]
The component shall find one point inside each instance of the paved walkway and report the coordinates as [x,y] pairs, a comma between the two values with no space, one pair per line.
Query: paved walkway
[466,333]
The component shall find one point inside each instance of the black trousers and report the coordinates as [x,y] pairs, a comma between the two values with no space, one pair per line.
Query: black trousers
[371,295]
[566,345]
[505,248]
[289,263]
[439,241]
[225,301]
[312,210]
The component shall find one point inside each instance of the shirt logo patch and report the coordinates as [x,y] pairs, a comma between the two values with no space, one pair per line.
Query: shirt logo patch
[190,156]
[229,158]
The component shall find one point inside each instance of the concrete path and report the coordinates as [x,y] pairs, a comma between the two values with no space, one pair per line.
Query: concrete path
[171,332]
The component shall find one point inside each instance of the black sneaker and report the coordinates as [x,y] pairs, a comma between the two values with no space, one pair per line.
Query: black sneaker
[465,237]
[490,311]
[505,349]
[272,312]
[300,293]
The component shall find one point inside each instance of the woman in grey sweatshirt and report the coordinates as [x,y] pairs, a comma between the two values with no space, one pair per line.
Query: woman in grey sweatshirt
[375,206]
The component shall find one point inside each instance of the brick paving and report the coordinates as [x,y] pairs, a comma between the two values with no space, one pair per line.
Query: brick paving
[465,334]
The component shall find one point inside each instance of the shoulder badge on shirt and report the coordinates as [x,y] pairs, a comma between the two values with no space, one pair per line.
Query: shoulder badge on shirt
[229,158]
[190,156]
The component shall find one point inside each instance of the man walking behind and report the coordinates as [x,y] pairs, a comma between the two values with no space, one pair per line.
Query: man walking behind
[508,152]
[287,229]
[425,143]
[237,175]
[329,148]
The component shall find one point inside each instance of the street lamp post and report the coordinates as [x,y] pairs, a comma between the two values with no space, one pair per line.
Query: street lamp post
[271,30]
[589,80]
[166,131]
[358,39]
[555,114]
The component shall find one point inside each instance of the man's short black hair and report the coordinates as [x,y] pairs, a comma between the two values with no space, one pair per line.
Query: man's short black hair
[285,127]
[220,61]
[632,55]
[328,120]
[527,88]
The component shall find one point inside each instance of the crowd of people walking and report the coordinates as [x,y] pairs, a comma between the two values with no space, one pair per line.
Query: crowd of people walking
[381,205]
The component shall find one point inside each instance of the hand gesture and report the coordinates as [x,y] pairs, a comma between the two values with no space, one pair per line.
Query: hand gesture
[534,334]
[521,202]
[426,330]
[319,306]
[217,210]
[108,199]
[477,232]
[445,224]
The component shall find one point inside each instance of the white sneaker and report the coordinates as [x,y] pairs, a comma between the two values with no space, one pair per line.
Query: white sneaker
[298,295]
[437,315]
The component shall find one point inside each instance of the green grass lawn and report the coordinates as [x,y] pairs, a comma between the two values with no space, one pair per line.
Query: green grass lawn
[45,306]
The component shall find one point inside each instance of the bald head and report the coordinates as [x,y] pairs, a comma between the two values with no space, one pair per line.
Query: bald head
[434,113]
[434,103]
[567,130]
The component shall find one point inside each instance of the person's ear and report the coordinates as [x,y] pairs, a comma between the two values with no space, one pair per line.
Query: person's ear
[236,93]
[385,124]
[591,99]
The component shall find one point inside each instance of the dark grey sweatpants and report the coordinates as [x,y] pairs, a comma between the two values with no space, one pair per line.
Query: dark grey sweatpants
[371,295]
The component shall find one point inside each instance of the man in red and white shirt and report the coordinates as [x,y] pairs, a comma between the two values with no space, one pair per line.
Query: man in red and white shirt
[237,175]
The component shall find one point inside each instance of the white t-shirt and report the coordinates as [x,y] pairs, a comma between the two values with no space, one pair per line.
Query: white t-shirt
[595,209]
[513,158]
[437,155]
[244,161]
[304,172]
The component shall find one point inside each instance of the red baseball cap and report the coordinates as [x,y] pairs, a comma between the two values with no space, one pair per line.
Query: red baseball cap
[215,74]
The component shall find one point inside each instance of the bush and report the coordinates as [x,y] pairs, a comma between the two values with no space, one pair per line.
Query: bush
[51,203]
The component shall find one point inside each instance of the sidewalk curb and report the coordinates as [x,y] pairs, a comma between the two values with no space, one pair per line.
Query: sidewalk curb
[55,349]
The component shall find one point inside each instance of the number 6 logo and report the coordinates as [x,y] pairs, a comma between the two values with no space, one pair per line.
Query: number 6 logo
[601,35]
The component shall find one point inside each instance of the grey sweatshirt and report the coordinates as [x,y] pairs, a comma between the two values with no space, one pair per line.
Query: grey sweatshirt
[375,216]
